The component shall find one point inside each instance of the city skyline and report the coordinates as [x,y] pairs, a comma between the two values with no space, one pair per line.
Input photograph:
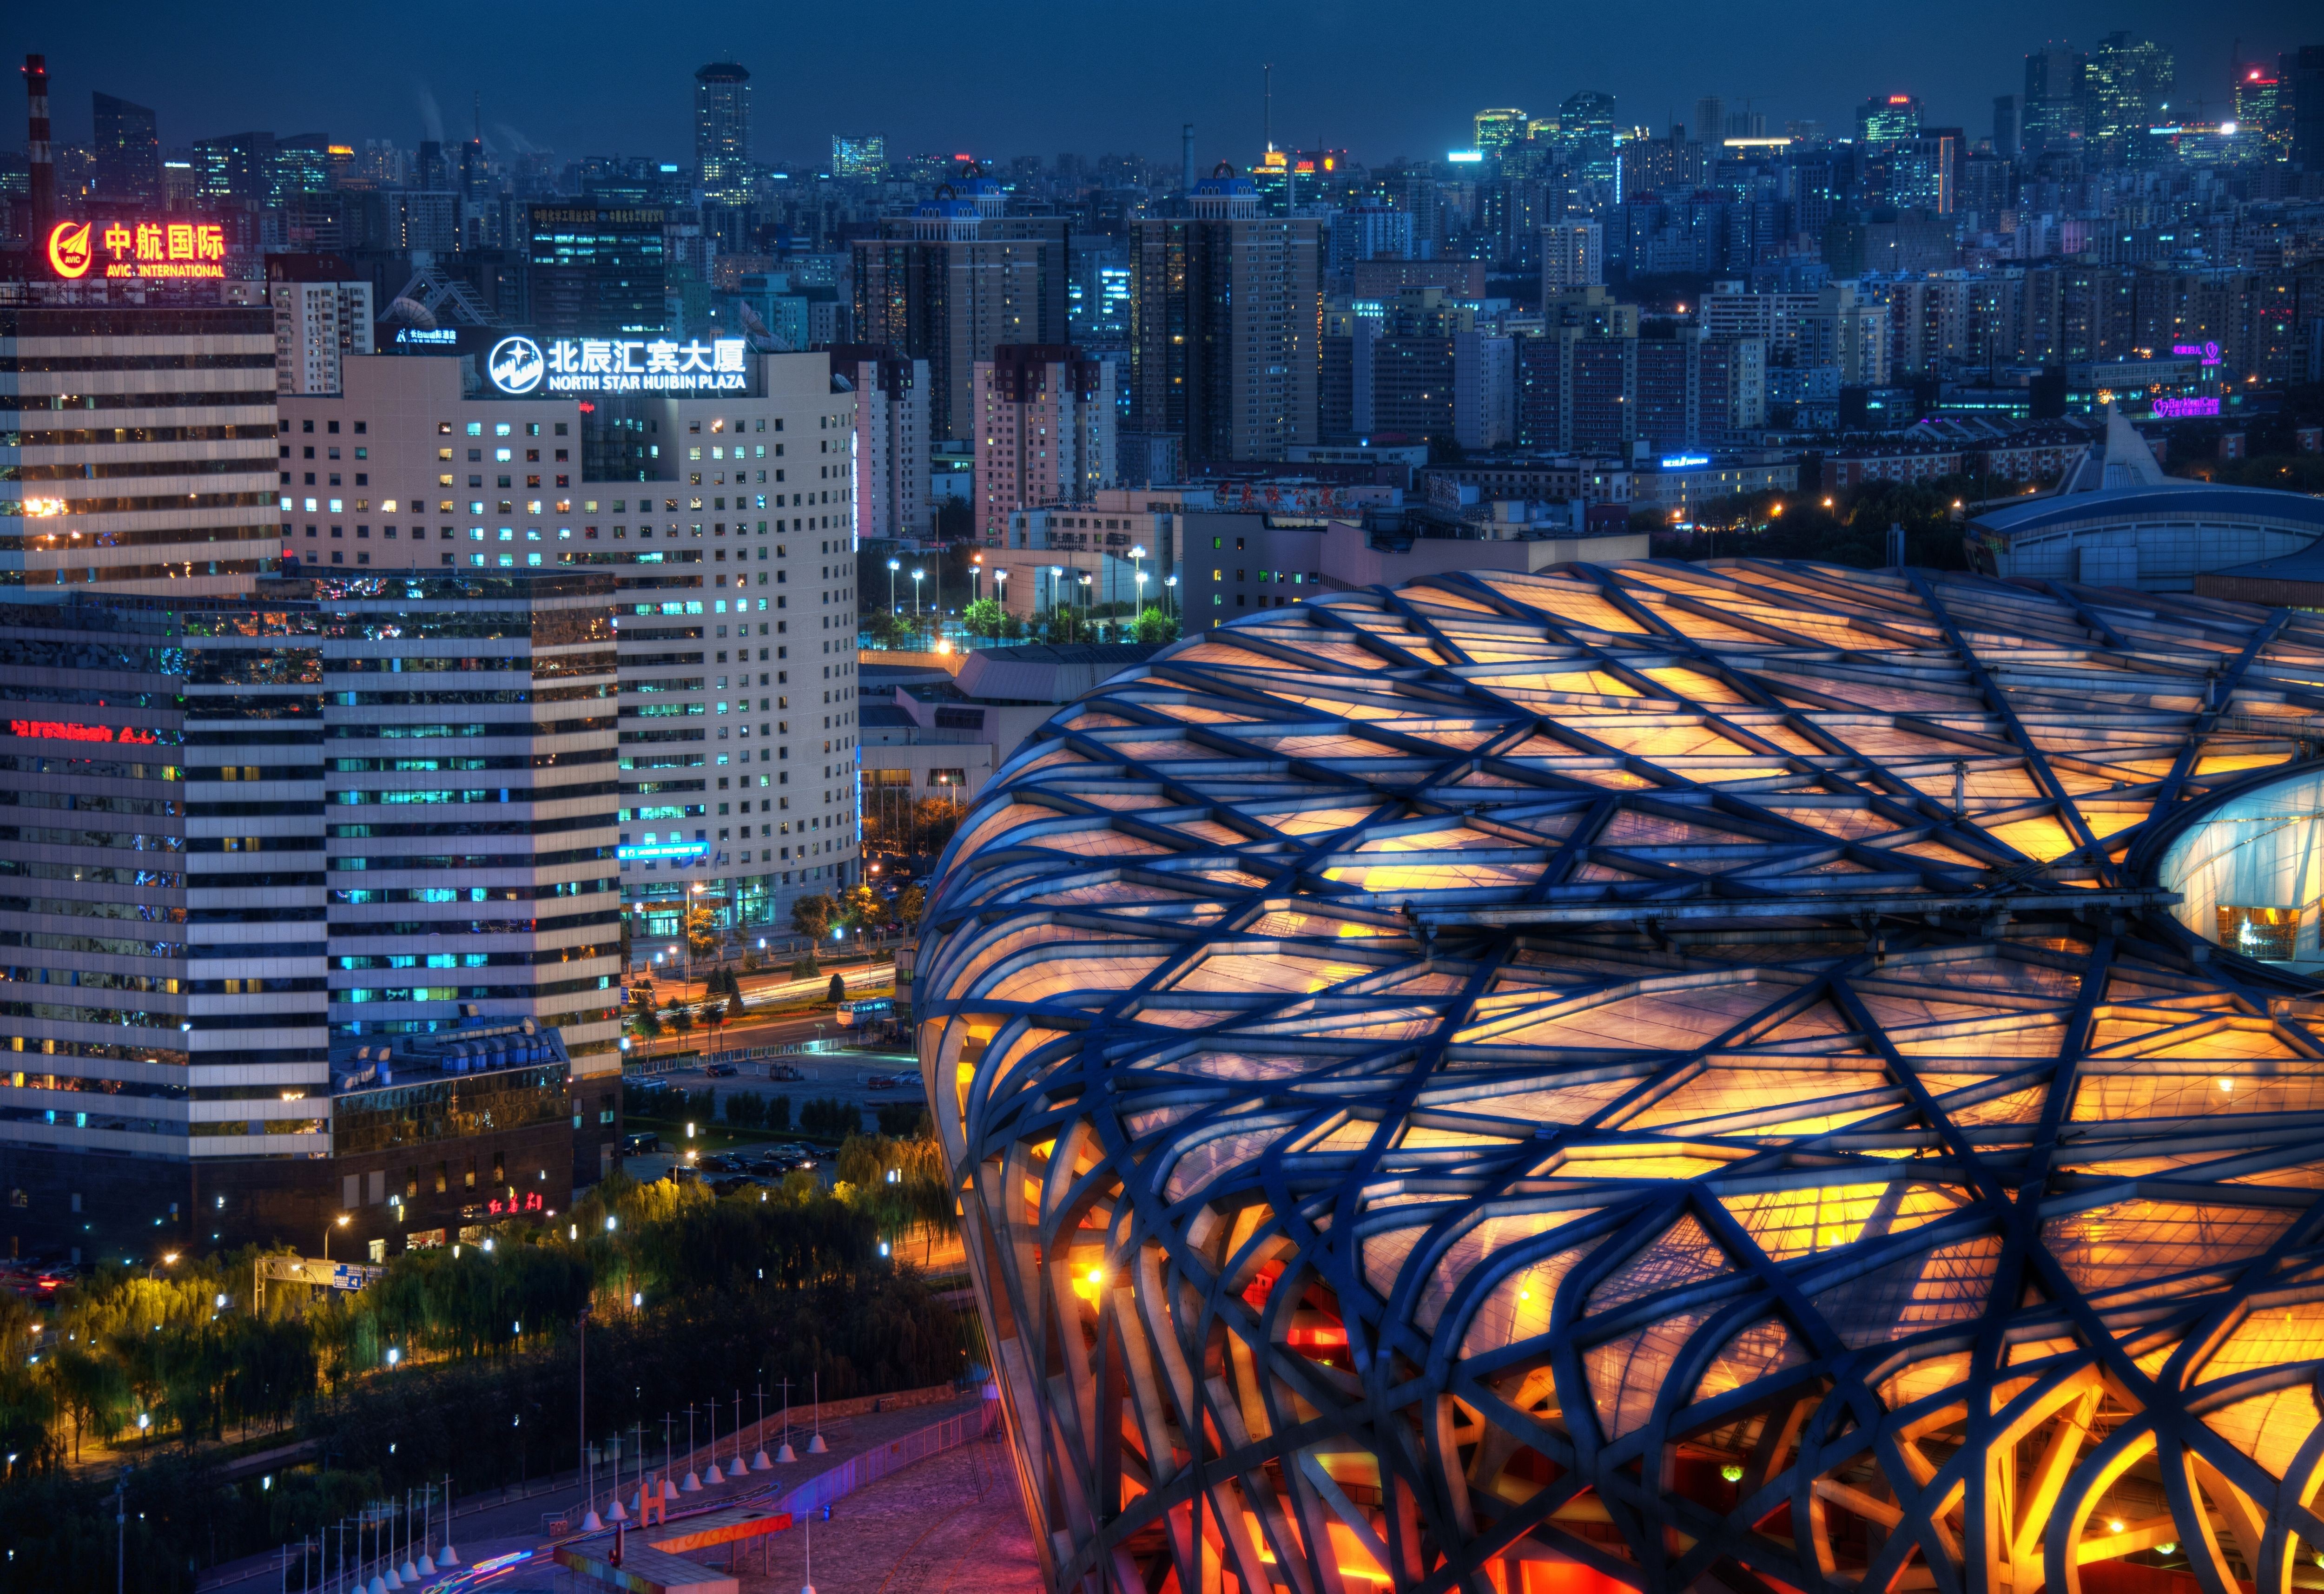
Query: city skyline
[1341,88]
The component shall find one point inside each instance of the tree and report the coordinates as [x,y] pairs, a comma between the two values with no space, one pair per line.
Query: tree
[909,904]
[860,907]
[933,821]
[735,1007]
[984,618]
[1066,625]
[811,917]
[838,992]
[681,1018]
[1155,627]
[703,937]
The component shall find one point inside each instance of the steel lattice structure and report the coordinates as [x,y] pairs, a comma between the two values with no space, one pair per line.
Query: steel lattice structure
[1659,1077]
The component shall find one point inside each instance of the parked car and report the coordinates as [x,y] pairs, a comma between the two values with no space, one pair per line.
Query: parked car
[721,1071]
[641,1145]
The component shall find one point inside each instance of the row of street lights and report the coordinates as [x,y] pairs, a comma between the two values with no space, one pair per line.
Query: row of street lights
[1057,574]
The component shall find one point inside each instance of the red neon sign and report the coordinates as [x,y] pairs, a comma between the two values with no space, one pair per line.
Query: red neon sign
[62,730]
[69,250]
[531,1203]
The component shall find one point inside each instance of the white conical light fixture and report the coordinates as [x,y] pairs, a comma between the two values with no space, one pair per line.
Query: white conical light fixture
[786,1454]
[714,1474]
[613,1513]
[447,1557]
[693,1484]
[593,1523]
[816,1446]
[759,1462]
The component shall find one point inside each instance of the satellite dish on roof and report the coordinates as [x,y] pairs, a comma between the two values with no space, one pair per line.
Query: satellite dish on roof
[410,312]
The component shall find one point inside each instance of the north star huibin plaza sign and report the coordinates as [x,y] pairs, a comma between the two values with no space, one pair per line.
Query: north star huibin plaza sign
[138,250]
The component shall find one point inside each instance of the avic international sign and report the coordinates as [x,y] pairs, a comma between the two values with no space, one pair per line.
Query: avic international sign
[519,366]
[137,249]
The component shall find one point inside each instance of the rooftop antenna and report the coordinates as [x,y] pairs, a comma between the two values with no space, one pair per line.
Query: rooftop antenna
[480,115]
[1266,80]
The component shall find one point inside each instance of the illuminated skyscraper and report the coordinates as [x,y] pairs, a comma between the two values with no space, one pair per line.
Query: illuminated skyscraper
[2053,99]
[1499,129]
[128,152]
[863,156]
[722,132]
[2126,87]
[1585,134]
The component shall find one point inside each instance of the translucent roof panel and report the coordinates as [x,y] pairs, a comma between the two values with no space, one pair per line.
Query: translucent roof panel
[1723,1024]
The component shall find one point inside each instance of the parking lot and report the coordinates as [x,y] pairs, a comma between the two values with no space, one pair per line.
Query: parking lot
[863,1081]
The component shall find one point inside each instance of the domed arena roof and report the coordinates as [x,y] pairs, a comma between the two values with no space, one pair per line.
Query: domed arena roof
[1655,1076]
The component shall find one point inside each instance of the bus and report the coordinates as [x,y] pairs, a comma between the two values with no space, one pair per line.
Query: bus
[869,1009]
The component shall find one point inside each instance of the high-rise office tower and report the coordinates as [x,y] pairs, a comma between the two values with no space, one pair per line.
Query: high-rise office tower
[1711,119]
[175,489]
[2052,119]
[1496,130]
[957,279]
[1585,134]
[2263,114]
[862,157]
[1224,325]
[2125,85]
[128,152]
[595,269]
[238,166]
[722,132]
[266,1051]
[1045,431]
[2303,73]
[2004,126]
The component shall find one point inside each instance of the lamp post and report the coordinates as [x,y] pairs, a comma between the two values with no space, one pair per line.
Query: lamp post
[1170,595]
[1089,616]
[917,576]
[338,1222]
[1056,579]
[1001,589]
[893,566]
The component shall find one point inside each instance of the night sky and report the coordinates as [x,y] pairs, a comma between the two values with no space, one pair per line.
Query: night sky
[1380,79]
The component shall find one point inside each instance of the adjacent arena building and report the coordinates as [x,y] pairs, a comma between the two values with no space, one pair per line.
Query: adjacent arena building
[1655,1076]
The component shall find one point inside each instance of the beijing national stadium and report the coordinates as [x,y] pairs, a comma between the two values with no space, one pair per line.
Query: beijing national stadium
[1749,1077]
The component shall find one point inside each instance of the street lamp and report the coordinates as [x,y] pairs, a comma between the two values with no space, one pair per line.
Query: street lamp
[1170,595]
[1001,589]
[893,566]
[917,576]
[338,1222]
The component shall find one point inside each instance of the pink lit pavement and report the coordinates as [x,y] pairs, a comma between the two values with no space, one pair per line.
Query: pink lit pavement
[950,1522]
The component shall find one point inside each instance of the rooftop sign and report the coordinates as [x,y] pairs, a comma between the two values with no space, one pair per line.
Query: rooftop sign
[519,366]
[137,249]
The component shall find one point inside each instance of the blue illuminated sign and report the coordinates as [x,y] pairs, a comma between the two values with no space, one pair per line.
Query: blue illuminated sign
[664,850]
[1680,461]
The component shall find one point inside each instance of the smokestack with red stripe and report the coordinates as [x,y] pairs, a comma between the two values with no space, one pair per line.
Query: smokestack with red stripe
[37,153]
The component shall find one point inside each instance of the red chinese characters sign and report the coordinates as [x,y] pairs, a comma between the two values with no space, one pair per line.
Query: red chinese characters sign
[531,1203]
[64,731]
[143,249]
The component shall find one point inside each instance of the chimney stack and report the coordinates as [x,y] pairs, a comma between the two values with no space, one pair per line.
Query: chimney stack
[38,155]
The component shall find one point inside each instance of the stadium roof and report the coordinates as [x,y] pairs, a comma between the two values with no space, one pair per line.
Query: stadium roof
[1675,1071]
